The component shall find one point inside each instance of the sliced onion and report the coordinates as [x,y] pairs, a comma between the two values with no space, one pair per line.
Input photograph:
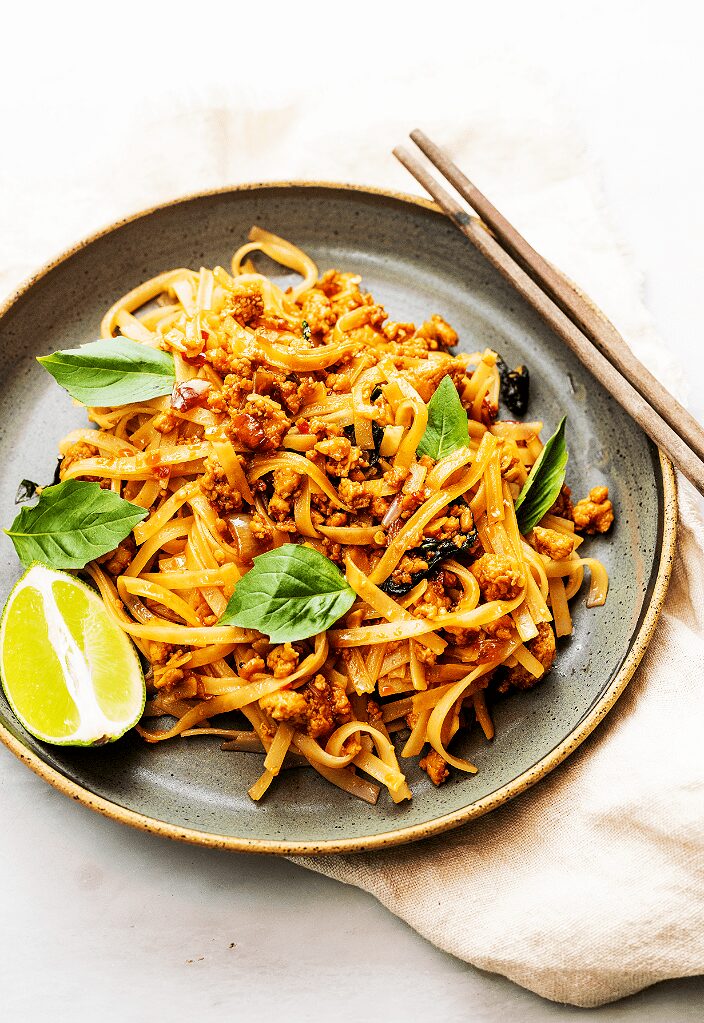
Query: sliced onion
[240,527]
[188,394]
[415,480]
[393,512]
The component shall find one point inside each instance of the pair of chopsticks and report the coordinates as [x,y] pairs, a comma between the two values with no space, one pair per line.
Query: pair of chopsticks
[595,341]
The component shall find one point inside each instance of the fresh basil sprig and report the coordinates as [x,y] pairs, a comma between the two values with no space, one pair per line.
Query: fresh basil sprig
[114,372]
[447,423]
[71,524]
[290,593]
[542,488]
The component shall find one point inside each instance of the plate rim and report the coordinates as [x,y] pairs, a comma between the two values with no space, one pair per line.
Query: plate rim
[399,835]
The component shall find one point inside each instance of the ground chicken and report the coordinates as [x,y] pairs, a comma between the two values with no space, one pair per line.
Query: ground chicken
[236,387]
[422,653]
[328,703]
[435,767]
[159,653]
[343,291]
[168,677]
[563,506]
[254,666]
[594,514]
[499,577]
[336,448]
[291,393]
[479,646]
[287,705]
[282,660]
[336,519]
[77,453]
[333,551]
[553,544]
[260,425]
[542,647]
[117,561]
[317,708]
[407,568]
[356,495]
[414,349]
[219,491]
[281,511]
[317,311]
[444,527]
[341,457]
[439,331]
[399,331]
[260,528]
[433,601]
[286,481]
[167,665]
[318,427]
[246,307]
[165,422]
[376,314]
[427,375]
[374,714]
[338,383]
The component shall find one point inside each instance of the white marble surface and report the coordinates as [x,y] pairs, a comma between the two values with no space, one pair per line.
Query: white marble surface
[98,920]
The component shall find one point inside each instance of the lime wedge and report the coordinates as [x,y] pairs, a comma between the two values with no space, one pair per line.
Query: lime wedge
[70,674]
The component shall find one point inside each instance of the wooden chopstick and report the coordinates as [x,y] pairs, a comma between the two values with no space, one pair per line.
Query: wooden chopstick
[602,333]
[611,378]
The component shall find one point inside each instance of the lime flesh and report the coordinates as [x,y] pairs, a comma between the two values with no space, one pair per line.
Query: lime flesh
[70,674]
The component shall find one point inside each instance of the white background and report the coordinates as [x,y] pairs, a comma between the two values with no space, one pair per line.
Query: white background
[101,921]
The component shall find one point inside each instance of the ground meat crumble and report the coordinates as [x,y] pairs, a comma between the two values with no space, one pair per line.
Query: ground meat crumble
[316,709]
[594,514]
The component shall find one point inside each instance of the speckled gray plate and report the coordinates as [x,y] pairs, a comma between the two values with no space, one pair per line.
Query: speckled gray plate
[416,263]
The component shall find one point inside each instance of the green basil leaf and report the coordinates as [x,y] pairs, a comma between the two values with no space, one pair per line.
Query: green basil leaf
[447,423]
[542,488]
[114,372]
[71,524]
[290,593]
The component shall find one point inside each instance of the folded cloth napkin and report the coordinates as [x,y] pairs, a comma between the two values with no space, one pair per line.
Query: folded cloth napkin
[591,885]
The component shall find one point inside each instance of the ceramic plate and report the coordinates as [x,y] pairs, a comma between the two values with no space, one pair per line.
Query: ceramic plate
[416,263]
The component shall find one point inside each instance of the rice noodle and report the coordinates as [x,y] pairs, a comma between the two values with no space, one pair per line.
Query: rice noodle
[296,417]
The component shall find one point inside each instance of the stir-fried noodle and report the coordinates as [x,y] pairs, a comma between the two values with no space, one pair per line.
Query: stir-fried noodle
[296,418]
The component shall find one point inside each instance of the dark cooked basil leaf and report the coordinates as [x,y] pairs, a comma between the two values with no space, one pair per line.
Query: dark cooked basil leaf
[373,455]
[112,372]
[72,524]
[433,552]
[447,423]
[515,387]
[541,489]
[305,330]
[290,593]
[26,491]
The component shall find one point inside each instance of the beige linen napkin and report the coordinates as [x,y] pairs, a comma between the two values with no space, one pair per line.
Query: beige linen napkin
[591,885]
